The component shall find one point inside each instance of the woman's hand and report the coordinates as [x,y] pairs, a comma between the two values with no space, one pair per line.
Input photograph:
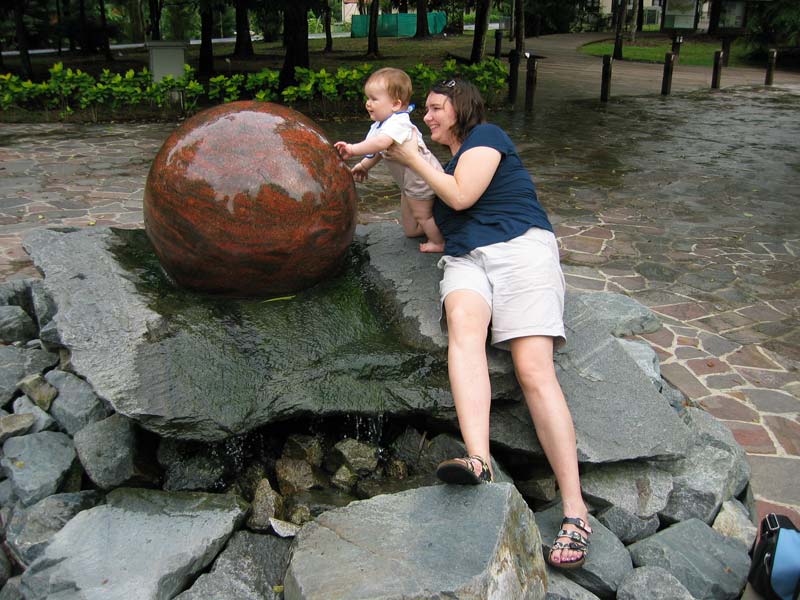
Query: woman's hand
[406,152]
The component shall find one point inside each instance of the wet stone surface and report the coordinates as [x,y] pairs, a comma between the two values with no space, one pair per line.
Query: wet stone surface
[687,203]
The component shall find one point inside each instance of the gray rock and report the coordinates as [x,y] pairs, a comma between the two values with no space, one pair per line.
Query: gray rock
[267,504]
[16,325]
[541,489]
[733,521]
[618,314]
[250,568]
[38,389]
[11,590]
[708,564]
[640,489]
[37,464]
[7,496]
[297,475]
[304,447]
[714,470]
[560,587]
[190,465]
[652,583]
[76,404]
[646,358]
[32,528]
[43,307]
[42,420]
[283,529]
[607,562]
[135,358]
[107,450]
[626,526]
[141,544]
[497,556]
[5,569]
[362,458]
[16,363]
[15,425]
[344,478]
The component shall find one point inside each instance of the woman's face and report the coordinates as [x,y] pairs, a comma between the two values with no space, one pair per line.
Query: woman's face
[440,117]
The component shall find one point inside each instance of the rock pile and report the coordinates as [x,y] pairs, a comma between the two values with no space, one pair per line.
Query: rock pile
[157,444]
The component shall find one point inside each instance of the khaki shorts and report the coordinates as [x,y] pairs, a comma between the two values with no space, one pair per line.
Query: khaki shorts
[521,281]
[412,185]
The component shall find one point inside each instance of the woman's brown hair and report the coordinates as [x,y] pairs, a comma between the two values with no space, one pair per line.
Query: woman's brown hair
[467,102]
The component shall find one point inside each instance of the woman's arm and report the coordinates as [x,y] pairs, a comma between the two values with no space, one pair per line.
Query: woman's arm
[465,186]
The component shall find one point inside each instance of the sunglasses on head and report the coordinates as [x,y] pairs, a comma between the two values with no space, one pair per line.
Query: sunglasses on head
[448,83]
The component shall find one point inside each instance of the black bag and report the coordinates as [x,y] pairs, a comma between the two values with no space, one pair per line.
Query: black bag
[775,570]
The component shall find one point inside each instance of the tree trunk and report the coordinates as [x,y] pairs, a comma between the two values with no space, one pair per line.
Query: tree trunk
[326,20]
[372,36]
[634,20]
[87,44]
[640,18]
[295,27]
[155,19]
[104,31]
[481,25]
[519,27]
[59,24]
[714,13]
[622,7]
[205,64]
[422,20]
[244,43]
[69,32]
[26,68]
[402,7]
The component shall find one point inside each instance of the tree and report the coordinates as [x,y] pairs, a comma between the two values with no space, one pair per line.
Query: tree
[372,36]
[26,69]
[244,43]
[154,26]
[634,20]
[422,20]
[774,24]
[101,5]
[326,19]
[205,64]
[295,37]
[481,26]
[622,7]
[519,27]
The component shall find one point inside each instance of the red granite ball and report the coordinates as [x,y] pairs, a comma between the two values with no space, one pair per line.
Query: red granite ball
[249,199]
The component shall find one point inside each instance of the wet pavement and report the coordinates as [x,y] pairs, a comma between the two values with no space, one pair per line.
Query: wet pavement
[688,203]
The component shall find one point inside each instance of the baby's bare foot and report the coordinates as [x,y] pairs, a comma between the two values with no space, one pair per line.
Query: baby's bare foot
[431,247]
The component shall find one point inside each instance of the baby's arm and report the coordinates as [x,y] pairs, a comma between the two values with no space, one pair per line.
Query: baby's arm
[361,168]
[373,145]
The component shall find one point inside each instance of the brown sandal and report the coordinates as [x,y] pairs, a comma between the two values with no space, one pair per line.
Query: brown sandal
[460,471]
[577,542]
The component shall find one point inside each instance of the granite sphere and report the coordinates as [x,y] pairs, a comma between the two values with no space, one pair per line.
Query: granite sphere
[249,199]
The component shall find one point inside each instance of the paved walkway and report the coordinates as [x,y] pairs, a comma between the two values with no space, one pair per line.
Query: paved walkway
[724,359]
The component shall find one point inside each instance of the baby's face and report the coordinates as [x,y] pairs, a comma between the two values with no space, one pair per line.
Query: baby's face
[379,105]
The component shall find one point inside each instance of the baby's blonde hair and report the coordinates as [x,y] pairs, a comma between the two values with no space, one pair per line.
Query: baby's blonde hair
[397,82]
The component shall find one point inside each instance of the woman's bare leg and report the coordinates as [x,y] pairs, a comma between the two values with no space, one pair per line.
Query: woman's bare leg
[533,361]
[468,317]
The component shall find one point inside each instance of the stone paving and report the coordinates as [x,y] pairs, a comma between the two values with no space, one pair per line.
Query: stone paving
[726,292]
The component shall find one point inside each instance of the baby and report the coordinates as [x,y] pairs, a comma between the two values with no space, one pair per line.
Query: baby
[388,93]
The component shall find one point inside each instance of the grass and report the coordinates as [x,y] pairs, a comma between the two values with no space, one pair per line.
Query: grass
[347,52]
[652,48]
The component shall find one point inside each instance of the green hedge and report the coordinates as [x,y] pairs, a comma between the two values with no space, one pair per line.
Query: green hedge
[116,95]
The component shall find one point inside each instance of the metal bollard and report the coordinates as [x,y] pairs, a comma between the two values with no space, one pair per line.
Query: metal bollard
[498,43]
[773,57]
[669,66]
[513,76]
[605,88]
[717,72]
[530,82]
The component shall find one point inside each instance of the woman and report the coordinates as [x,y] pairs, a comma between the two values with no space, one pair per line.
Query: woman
[501,267]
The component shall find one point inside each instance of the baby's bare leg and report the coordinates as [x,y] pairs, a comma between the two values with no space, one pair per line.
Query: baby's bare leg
[422,211]
[411,227]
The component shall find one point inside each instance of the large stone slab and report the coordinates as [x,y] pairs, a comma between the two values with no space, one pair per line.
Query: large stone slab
[141,544]
[205,368]
[708,564]
[37,464]
[431,542]
[251,567]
